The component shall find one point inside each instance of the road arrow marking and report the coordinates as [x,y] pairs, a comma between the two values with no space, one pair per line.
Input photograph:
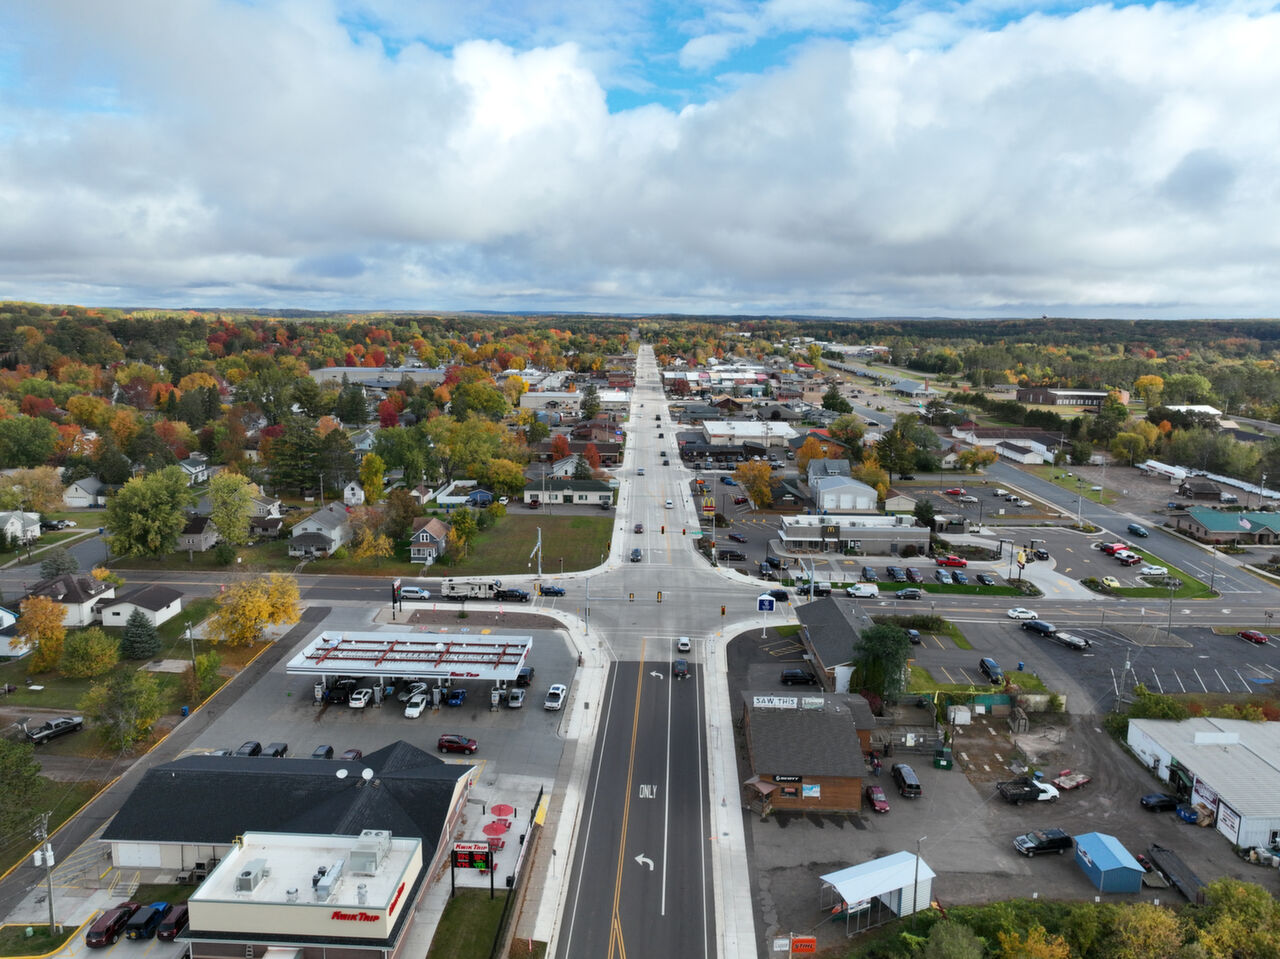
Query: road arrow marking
[645,861]
[655,674]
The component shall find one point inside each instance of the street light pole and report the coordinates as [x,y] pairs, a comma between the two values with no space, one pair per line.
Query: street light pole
[915,883]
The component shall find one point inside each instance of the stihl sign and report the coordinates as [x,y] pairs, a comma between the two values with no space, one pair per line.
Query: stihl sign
[354,916]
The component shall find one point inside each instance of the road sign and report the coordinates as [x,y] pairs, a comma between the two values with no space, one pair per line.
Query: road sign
[765,603]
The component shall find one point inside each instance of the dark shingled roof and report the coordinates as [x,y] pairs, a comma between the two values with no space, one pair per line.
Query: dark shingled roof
[805,742]
[154,598]
[832,627]
[410,794]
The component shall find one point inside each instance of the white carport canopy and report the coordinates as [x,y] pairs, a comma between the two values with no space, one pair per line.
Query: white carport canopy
[902,882]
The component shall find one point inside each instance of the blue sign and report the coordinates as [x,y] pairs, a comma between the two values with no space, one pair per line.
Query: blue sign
[764,604]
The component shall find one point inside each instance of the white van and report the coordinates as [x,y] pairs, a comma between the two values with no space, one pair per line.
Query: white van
[863,591]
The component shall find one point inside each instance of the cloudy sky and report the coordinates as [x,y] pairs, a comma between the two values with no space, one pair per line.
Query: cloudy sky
[847,157]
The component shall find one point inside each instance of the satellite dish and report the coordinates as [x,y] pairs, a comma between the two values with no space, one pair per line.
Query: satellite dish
[341,774]
[366,774]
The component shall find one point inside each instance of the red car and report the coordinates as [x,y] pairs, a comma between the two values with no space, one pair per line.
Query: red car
[1253,636]
[173,923]
[875,796]
[739,500]
[455,743]
[952,561]
[108,927]
[956,491]
[1112,548]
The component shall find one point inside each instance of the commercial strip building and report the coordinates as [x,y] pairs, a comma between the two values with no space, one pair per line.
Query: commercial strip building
[1231,766]
[859,534]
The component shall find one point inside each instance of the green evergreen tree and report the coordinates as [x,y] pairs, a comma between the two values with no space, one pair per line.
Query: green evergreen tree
[140,639]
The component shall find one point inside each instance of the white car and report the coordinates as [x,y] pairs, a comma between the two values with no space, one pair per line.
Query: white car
[1153,571]
[360,698]
[414,592]
[504,500]
[967,499]
[670,505]
[415,706]
[683,644]
[555,697]
[1020,612]
[515,698]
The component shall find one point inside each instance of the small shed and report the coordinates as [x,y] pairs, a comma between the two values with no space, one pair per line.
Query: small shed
[877,891]
[1107,863]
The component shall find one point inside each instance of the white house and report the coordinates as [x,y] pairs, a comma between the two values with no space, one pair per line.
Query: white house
[81,597]
[196,468]
[362,440]
[158,603]
[353,494]
[429,539]
[11,646]
[84,493]
[319,534]
[20,527]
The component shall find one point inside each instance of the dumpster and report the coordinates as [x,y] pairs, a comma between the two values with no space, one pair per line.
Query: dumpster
[942,758]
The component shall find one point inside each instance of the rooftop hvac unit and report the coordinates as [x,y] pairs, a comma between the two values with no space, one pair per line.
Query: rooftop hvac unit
[370,850]
[251,875]
[324,887]
[291,895]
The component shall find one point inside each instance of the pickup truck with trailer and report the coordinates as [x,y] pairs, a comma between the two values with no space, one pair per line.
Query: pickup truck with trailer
[1026,789]
[58,726]
[455,588]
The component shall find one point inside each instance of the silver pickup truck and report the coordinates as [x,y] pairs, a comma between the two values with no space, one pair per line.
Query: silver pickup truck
[55,728]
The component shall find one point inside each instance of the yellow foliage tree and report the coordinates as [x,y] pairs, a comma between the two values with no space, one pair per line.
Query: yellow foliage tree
[248,607]
[811,449]
[756,478]
[1036,944]
[371,544]
[1146,931]
[40,624]
[196,381]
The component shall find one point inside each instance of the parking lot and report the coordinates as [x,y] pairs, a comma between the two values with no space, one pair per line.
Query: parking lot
[965,830]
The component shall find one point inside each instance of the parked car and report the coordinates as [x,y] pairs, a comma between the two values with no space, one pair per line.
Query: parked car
[276,750]
[515,698]
[1040,553]
[737,500]
[942,576]
[958,576]
[1021,612]
[173,923]
[1041,841]
[250,748]
[457,696]
[951,560]
[1152,570]
[322,752]
[1039,627]
[985,580]
[733,555]
[551,590]
[1110,582]
[1253,636]
[913,637]
[109,927]
[352,755]
[360,698]
[966,498]
[896,574]
[53,728]
[525,676]
[1130,560]
[869,575]
[955,491]
[1159,802]
[412,689]
[863,591]
[798,677]
[555,696]
[456,743]
[908,783]
[991,669]
[144,923]
[875,798]
[416,706]
[914,575]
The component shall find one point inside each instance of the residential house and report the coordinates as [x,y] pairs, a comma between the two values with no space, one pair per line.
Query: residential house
[158,604]
[429,539]
[777,412]
[265,527]
[85,493]
[20,527]
[325,530]
[422,494]
[80,596]
[265,507]
[570,491]
[198,535]
[196,468]
[822,468]
[353,494]
[362,440]
[11,647]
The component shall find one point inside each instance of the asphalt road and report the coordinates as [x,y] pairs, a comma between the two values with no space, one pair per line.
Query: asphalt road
[642,871]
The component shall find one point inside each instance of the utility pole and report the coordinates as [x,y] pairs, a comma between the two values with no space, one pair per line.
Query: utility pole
[44,857]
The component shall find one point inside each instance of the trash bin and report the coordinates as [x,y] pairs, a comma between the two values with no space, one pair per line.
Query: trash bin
[185,712]
[942,758]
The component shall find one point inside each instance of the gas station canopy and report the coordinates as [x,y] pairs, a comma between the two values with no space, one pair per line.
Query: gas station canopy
[391,654]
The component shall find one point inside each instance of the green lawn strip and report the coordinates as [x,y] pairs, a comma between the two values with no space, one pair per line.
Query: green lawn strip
[1058,476]
[63,800]
[967,589]
[580,541]
[171,893]
[14,940]
[468,925]
[928,624]
[1191,587]
[784,631]
[922,682]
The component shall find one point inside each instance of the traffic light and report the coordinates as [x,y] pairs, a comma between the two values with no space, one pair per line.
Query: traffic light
[721,610]
[664,528]
[659,595]
[684,532]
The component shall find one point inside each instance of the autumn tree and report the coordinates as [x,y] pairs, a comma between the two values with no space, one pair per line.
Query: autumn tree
[372,544]
[949,939]
[1146,931]
[849,430]
[89,652]
[204,677]
[559,446]
[248,607]
[1150,387]
[36,490]
[372,471]
[40,624]
[975,458]
[140,639]
[810,449]
[145,517]
[1036,944]
[756,478]
[505,477]
[124,707]
[231,506]
[870,471]
[399,513]
[26,441]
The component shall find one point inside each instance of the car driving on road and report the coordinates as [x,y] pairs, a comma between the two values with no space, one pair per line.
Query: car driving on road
[456,743]
[1021,612]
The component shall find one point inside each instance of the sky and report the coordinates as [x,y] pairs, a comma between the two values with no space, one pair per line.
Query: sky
[819,157]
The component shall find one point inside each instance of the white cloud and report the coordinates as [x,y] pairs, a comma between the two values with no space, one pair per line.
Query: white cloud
[1109,161]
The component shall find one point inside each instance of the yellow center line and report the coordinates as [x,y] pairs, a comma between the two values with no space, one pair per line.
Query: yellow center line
[617,946]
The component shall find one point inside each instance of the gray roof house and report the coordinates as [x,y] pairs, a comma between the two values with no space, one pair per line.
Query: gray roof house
[19,526]
[158,603]
[829,629]
[198,535]
[80,596]
[196,468]
[819,468]
[319,534]
[429,539]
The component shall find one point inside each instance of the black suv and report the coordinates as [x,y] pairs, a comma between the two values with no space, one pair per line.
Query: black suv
[801,677]
[1039,627]
[519,595]
[732,554]
[896,574]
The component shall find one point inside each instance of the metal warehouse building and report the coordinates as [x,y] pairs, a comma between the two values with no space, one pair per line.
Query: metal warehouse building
[1107,863]
[1230,765]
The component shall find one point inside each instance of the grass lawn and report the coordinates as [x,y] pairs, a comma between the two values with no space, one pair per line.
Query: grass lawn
[270,556]
[1191,587]
[1058,476]
[580,541]
[63,800]
[923,682]
[15,942]
[468,925]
